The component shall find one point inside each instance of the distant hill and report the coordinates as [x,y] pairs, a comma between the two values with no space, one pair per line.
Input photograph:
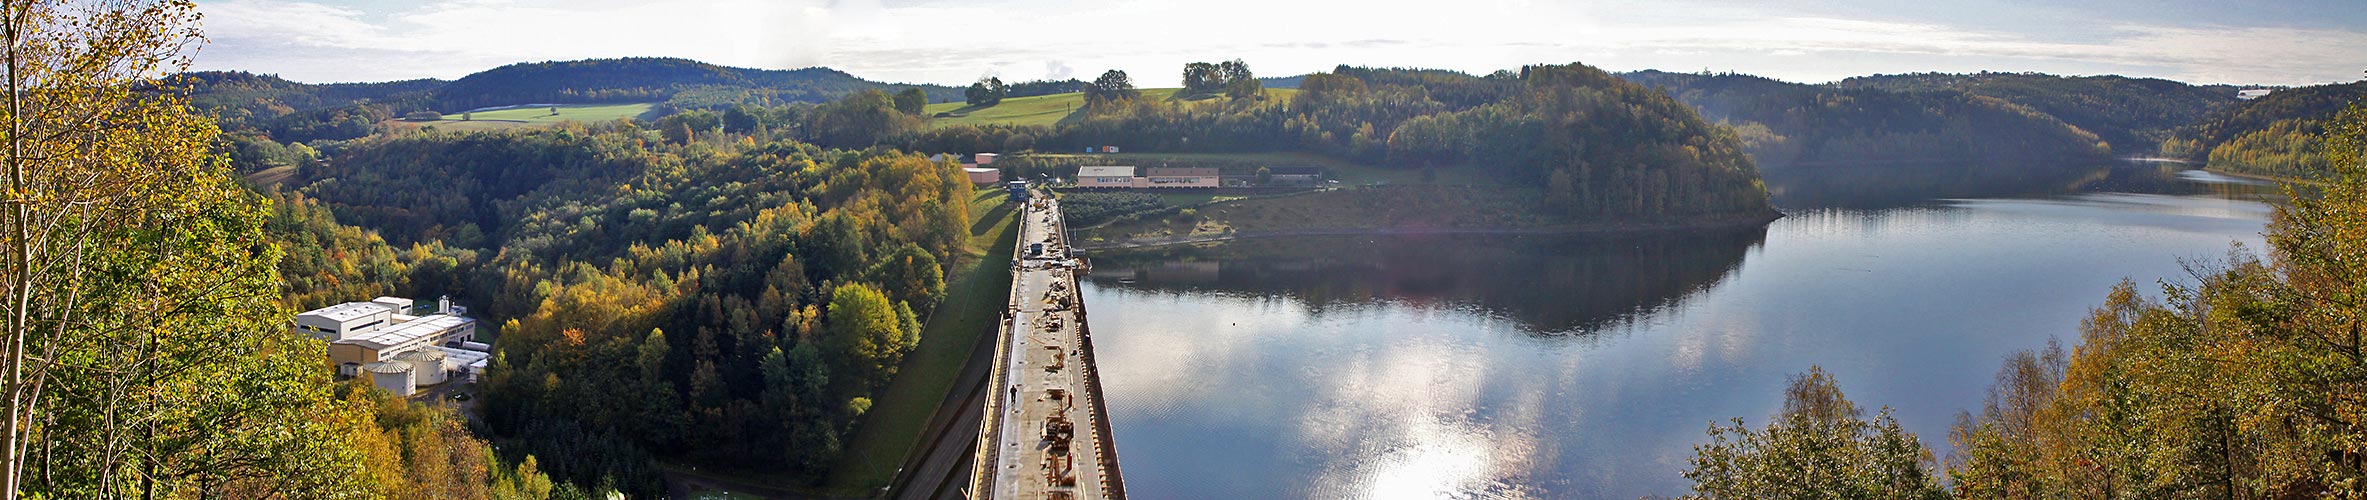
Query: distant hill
[2275,134]
[1788,124]
[648,80]
[1282,82]
[292,111]
[2133,115]
[2304,103]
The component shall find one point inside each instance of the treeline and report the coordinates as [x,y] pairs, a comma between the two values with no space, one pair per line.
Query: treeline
[717,299]
[2244,384]
[1790,124]
[2132,115]
[325,262]
[416,451]
[272,108]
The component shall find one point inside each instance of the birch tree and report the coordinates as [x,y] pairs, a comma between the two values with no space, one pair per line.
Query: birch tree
[143,352]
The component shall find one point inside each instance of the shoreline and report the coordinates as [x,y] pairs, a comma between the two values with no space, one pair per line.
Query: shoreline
[2264,177]
[1140,243]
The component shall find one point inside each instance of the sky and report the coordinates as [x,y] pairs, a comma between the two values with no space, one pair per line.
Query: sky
[2261,42]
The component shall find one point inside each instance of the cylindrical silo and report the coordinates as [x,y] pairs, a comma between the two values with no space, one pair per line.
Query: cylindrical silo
[427,366]
[394,377]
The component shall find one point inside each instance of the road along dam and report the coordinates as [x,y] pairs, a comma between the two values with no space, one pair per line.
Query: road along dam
[1045,432]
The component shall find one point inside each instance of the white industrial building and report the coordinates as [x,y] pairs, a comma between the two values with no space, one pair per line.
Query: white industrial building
[398,351]
[1105,177]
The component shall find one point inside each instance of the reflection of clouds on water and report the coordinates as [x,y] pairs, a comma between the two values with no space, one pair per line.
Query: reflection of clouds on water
[1198,357]
[1390,410]
[1404,412]
[1535,368]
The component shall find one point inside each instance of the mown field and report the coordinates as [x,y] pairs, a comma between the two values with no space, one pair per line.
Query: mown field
[530,116]
[1043,109]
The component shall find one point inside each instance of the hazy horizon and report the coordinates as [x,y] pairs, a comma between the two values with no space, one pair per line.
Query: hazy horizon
[2302,42]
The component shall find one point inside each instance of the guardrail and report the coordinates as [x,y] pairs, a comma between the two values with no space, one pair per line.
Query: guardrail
[1105,452]
[1113,483]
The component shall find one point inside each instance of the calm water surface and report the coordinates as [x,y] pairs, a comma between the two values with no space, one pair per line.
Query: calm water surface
[1588,366]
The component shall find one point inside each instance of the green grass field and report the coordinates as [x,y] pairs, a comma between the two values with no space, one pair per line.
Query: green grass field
[889,432]
[534,116]
[1045,109]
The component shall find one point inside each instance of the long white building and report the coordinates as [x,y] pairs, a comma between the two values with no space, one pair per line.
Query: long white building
[372,338]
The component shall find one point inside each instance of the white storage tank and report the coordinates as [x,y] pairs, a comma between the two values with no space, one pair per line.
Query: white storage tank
[427,366]
[394,377]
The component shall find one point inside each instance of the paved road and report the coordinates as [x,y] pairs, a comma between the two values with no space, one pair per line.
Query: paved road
[941,469]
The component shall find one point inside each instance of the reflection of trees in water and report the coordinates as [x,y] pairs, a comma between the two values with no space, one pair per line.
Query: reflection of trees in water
[1552,284]
[1883,186]
[1896,185]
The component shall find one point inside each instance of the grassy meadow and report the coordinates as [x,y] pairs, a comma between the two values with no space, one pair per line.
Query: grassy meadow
[530,116]
[1044,109]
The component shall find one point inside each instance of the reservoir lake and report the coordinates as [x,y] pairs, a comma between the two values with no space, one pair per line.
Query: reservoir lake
[1589,365]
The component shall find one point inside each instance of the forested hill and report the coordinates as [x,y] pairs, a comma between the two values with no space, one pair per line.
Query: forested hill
[731,301]
[2275,134]
[2133,115]
[649,80]
[299,112]
[291,111]
[1787,124]
[1596,145]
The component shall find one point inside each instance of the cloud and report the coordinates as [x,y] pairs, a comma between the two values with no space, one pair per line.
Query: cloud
[310,40]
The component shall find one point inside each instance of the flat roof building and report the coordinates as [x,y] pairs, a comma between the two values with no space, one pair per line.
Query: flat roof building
[1165,177]
[386,344]
[398,304]
[398,351]
[1105,177]
[339,321]
[469,364]
[982,176]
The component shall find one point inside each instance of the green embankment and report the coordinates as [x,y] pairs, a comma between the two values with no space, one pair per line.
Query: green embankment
[896,420]
[1044,109]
